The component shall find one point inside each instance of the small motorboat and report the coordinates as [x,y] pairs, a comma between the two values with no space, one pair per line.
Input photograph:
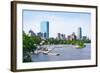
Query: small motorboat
[57,54]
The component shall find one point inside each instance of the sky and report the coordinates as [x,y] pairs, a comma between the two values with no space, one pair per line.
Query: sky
[59,22]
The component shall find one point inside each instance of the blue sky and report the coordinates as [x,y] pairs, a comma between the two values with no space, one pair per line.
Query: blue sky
[59,22]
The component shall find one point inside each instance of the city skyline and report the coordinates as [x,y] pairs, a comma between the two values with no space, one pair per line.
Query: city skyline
[44,33]
[60,22]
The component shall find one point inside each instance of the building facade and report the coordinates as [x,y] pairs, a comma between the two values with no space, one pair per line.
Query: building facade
[31,33]
[72,36]
[45,29]
[61,36]
[39,34]
[79,33]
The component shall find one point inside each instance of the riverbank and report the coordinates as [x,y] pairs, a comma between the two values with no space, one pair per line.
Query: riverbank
[60,46]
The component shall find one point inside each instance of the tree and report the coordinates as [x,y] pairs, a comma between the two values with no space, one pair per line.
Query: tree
[36,39]
[28,43]
[28,46]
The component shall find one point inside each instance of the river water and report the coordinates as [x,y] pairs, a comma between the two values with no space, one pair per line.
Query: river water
[65,53]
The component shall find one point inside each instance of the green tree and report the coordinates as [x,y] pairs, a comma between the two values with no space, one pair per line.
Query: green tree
[36,39]
[28,43]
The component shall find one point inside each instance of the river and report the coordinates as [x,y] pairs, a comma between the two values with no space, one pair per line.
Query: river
[67,52]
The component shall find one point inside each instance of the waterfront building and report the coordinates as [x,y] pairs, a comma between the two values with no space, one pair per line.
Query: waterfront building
[40,34]
[31,33]
[72,36]
[85,38]
[45,29]
[68,37]
[79,33]
[61,36]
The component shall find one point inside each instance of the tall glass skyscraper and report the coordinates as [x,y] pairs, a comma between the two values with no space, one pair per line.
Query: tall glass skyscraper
[79,33]
[45,29]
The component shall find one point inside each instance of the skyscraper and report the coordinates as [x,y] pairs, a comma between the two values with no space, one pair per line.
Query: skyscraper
[45,29]
[79,33]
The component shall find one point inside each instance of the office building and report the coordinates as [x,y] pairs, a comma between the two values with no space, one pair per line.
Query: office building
[31,33]
[72,36]
[39,34]
[61,36]
[45,29]
[79,33]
